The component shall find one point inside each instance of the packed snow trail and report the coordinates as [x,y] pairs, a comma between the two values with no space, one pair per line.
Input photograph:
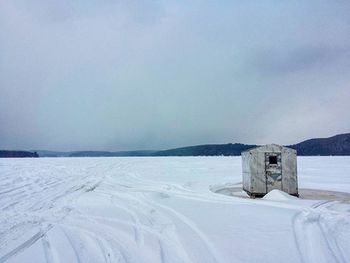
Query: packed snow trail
[162,210]
[315,230]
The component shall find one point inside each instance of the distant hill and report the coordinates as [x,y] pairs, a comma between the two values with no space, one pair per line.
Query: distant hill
[43,153]
[336,145]
[91,154]
[206,150]
[17,154]
[110,154]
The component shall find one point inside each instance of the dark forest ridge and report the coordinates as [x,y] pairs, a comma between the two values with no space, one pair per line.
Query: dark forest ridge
[17,154]
[335,145]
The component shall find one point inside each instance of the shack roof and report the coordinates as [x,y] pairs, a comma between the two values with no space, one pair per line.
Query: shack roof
[270,148]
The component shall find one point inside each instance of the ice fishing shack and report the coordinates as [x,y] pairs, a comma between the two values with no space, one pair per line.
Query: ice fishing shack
[269,167]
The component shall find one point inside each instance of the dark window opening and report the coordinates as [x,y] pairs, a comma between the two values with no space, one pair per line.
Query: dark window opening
[273,159]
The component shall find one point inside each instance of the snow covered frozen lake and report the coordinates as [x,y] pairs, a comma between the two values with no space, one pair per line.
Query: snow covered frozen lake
[161,210]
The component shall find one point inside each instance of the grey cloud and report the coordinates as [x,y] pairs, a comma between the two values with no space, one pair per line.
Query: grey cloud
[113,75]
[300,59]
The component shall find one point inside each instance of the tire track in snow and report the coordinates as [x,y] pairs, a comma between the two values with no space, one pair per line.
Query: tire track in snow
[103,243]
[50,254]
[158,224]
[175,189]
[139,237]
[151,230]
[42,196]
[29,242]
[313,243]
[194,228]
[329,233]
[77,256]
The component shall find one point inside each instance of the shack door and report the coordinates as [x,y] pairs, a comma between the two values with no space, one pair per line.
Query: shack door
[273,171]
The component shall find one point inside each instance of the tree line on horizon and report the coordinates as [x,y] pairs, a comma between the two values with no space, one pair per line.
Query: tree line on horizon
[335,145]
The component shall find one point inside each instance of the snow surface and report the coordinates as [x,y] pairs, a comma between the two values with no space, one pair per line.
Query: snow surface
[162,210]
[278,195]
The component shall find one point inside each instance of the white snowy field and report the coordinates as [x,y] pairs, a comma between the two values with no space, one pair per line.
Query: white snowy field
[161,210]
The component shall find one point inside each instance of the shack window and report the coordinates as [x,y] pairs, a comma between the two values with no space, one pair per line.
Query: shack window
[273,159]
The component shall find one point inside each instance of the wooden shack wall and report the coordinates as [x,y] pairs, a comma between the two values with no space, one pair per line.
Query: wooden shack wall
[253,167]
[289,171]
[254,174]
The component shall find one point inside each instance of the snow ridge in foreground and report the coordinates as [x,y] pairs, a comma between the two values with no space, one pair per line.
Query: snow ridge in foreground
[161,210]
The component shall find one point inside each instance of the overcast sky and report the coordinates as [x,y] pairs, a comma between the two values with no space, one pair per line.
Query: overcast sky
[137,74]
